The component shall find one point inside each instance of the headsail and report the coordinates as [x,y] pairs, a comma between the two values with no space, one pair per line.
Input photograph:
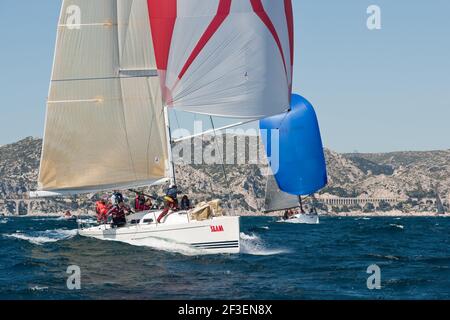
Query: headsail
[228,58]
[105,120]
[277,200]
[300,167]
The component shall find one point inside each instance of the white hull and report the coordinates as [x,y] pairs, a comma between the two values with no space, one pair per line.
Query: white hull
[212,236]
[303,218]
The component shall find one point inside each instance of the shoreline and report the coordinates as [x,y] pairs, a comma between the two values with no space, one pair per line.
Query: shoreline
[393,214]
[253,214]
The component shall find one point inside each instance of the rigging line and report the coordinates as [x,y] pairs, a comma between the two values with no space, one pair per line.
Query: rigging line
[207,132]
[284,118]
[176,118]
[222,162]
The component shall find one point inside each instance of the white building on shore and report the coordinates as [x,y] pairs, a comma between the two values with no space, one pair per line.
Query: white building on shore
[360,201]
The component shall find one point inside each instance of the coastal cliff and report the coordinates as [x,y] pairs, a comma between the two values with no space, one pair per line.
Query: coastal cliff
[413,177]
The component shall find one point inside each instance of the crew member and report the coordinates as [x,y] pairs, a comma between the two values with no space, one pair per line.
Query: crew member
[119,213]
[170,202]
[185,203]
[142,204]
[102,211]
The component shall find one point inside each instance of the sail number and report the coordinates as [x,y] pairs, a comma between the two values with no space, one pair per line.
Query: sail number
[217,229]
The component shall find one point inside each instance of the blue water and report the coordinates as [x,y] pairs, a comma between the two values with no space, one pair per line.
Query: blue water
[280,261]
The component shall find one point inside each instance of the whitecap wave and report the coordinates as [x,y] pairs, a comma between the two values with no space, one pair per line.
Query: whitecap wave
[397,226]
[66,218]
[253,245]
[46,218]
[41,237]
[389,257]
[3,221]
[86,221]
[245,236]
[38,288]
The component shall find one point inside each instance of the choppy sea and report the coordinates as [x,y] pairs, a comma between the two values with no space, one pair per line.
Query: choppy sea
[278,261]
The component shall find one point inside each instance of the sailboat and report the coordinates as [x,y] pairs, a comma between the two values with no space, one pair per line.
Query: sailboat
[299,168]
[439,205]
[121,66]
[277,200]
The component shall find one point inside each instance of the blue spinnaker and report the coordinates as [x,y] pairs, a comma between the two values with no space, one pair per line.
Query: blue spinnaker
[298,160]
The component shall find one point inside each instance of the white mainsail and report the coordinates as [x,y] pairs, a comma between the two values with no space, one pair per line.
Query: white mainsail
[105,117]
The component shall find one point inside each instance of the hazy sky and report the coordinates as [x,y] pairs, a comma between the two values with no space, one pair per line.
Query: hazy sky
[374,91]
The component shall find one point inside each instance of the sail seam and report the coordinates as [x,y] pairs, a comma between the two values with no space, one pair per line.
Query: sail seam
[258,7]
[124,117]
[223,12]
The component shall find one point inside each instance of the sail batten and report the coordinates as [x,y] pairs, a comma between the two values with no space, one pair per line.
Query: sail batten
[128,73]
[97,188]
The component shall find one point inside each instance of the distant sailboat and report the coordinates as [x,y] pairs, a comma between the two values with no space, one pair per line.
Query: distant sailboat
[299,163]
[277,200]
[439,205]
[121,65]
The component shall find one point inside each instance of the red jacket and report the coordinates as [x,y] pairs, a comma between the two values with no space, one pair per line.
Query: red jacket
[117,212]
[140,207]
[101,208]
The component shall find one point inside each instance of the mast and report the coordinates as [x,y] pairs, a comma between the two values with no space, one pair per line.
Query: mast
[300,202]
[169,147]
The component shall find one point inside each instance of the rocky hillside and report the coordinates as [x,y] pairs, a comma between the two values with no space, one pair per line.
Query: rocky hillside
[19,164]
[397,174]
[400,175]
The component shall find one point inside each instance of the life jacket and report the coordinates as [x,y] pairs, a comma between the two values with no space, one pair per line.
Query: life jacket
[172,192]
[169,199]
[101,208]
[117,212]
